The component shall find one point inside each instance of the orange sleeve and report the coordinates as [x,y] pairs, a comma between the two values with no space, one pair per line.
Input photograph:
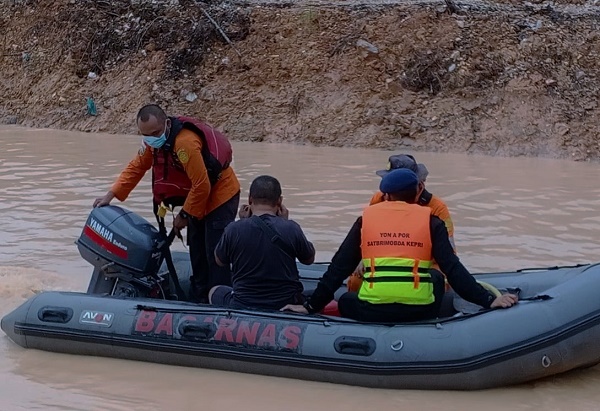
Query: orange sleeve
[227,187]
[377,198]
[188,148]
[354,282]
[133,173]
[440,209]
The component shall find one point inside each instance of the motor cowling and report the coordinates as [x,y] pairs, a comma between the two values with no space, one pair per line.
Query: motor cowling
[119,242]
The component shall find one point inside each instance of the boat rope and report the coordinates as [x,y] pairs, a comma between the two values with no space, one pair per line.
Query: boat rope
[541,297]
[556,267]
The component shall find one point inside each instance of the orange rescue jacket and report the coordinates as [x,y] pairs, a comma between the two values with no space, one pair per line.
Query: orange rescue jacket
[438,208]
[396,250]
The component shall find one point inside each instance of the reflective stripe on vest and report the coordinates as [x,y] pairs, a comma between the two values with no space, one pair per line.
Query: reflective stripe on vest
[396,280]
[396,250]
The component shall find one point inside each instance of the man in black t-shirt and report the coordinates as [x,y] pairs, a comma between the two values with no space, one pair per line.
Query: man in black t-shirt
[262,248]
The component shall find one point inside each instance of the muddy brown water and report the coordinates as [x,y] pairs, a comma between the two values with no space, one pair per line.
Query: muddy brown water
[509,214]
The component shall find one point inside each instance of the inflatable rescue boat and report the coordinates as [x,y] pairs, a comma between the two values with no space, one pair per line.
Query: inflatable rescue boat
[134,310]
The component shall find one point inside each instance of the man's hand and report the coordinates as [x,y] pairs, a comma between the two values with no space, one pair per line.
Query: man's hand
[295,308]
[103,201]
[179,224]
[245,211]
[359,271]
[283,212]
[505,301]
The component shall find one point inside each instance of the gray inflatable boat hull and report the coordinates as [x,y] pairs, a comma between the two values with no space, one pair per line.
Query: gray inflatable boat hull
[535,339]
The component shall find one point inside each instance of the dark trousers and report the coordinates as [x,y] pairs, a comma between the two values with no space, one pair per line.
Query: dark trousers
[351,306]
[203,237]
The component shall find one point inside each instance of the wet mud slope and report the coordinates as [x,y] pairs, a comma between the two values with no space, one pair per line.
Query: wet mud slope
[506,78]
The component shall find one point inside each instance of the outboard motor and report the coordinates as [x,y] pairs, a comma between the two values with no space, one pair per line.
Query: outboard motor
[126,252]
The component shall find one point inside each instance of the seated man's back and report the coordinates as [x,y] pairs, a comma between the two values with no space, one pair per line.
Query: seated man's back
[262,250]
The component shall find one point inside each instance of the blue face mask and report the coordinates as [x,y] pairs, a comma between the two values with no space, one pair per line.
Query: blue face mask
[156,142]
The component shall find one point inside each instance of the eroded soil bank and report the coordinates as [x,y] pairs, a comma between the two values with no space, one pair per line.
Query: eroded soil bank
[510,78]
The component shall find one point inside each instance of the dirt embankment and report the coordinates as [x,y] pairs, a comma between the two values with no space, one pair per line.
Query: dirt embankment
[503,78]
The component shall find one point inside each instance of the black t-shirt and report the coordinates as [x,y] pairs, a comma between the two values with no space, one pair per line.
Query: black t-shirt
[263,275]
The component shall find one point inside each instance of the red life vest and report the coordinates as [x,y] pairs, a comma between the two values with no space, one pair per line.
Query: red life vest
[170,183]
[214,142]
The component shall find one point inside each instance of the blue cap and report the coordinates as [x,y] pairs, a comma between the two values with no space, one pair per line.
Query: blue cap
[398,180]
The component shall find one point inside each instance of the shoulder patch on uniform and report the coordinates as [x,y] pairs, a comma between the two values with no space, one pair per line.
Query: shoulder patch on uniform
[183,156]
[142,150]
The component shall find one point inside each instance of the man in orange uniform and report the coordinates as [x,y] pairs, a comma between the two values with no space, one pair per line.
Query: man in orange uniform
[190,168]
[437,205]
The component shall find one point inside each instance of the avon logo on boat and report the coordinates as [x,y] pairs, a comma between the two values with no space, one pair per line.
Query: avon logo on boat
[96,317]
[101,230]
